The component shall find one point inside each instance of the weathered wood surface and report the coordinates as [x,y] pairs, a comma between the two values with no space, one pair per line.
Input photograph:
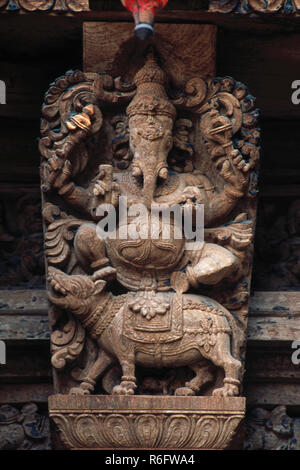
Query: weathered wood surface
[185,50]
[274,316]
[265,364]
[272,394]
[24,327]
[23,315]
[24,392]
[23,302]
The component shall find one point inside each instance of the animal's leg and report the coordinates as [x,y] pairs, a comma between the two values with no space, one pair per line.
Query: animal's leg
[222,357]
[128,380]
[203,371]
[87,386]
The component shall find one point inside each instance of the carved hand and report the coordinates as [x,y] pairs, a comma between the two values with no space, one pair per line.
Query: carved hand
[103,187]
[59,172]
[236,172]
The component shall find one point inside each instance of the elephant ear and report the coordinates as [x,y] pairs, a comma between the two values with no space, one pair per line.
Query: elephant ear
[100,286]
[228,122]
[122,154]
[181,156]
[70,114]
[72,119]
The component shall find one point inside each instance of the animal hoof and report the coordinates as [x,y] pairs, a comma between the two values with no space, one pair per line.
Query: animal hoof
[125,388]
[228,390]
[79,391]
[184,391]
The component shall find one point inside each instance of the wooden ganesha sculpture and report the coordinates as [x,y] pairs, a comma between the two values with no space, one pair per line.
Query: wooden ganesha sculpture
[145,300]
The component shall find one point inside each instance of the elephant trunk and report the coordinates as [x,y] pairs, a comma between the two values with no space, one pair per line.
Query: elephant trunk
[150,171]
[150,178]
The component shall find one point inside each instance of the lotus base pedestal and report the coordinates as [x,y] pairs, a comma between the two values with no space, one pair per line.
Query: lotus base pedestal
[146,422]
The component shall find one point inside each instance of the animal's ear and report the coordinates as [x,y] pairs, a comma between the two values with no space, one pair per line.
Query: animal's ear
[99,286]
[122,154]
[180,157]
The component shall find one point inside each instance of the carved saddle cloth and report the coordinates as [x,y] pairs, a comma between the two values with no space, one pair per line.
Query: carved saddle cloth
[151,317]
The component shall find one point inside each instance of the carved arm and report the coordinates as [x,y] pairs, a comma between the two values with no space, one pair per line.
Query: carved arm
[199,190]
[101,189]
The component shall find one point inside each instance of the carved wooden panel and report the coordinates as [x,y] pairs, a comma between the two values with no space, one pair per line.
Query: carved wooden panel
[250,7]
[187,50]
[272,430]
[24,428]
[21,237]
[68,6]
[129,310]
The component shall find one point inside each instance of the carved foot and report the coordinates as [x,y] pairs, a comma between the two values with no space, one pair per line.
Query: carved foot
[230,389]
[184,391]
[126,387]
[85,388]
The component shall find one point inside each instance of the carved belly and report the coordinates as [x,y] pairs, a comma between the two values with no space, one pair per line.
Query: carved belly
[143,244]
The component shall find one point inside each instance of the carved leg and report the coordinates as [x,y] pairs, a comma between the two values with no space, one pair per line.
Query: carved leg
[87,386]
[128,380]
[203,371]
[91,253]
[231,366]
[216,263]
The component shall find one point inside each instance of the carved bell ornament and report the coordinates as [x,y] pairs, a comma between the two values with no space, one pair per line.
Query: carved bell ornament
[143,12]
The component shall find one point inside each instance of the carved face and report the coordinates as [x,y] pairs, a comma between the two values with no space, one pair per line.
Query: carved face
[150,142]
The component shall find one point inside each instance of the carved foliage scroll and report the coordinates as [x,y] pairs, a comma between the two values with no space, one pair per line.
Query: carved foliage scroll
[73,6]
[246,7]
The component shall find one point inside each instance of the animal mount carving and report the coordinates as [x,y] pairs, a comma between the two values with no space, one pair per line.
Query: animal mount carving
[148,302]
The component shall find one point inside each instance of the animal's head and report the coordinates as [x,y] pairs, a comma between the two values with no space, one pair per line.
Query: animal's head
[77,293]
[151,118]
[145,136]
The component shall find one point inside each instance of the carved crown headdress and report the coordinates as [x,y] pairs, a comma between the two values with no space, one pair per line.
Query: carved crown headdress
[151,96]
